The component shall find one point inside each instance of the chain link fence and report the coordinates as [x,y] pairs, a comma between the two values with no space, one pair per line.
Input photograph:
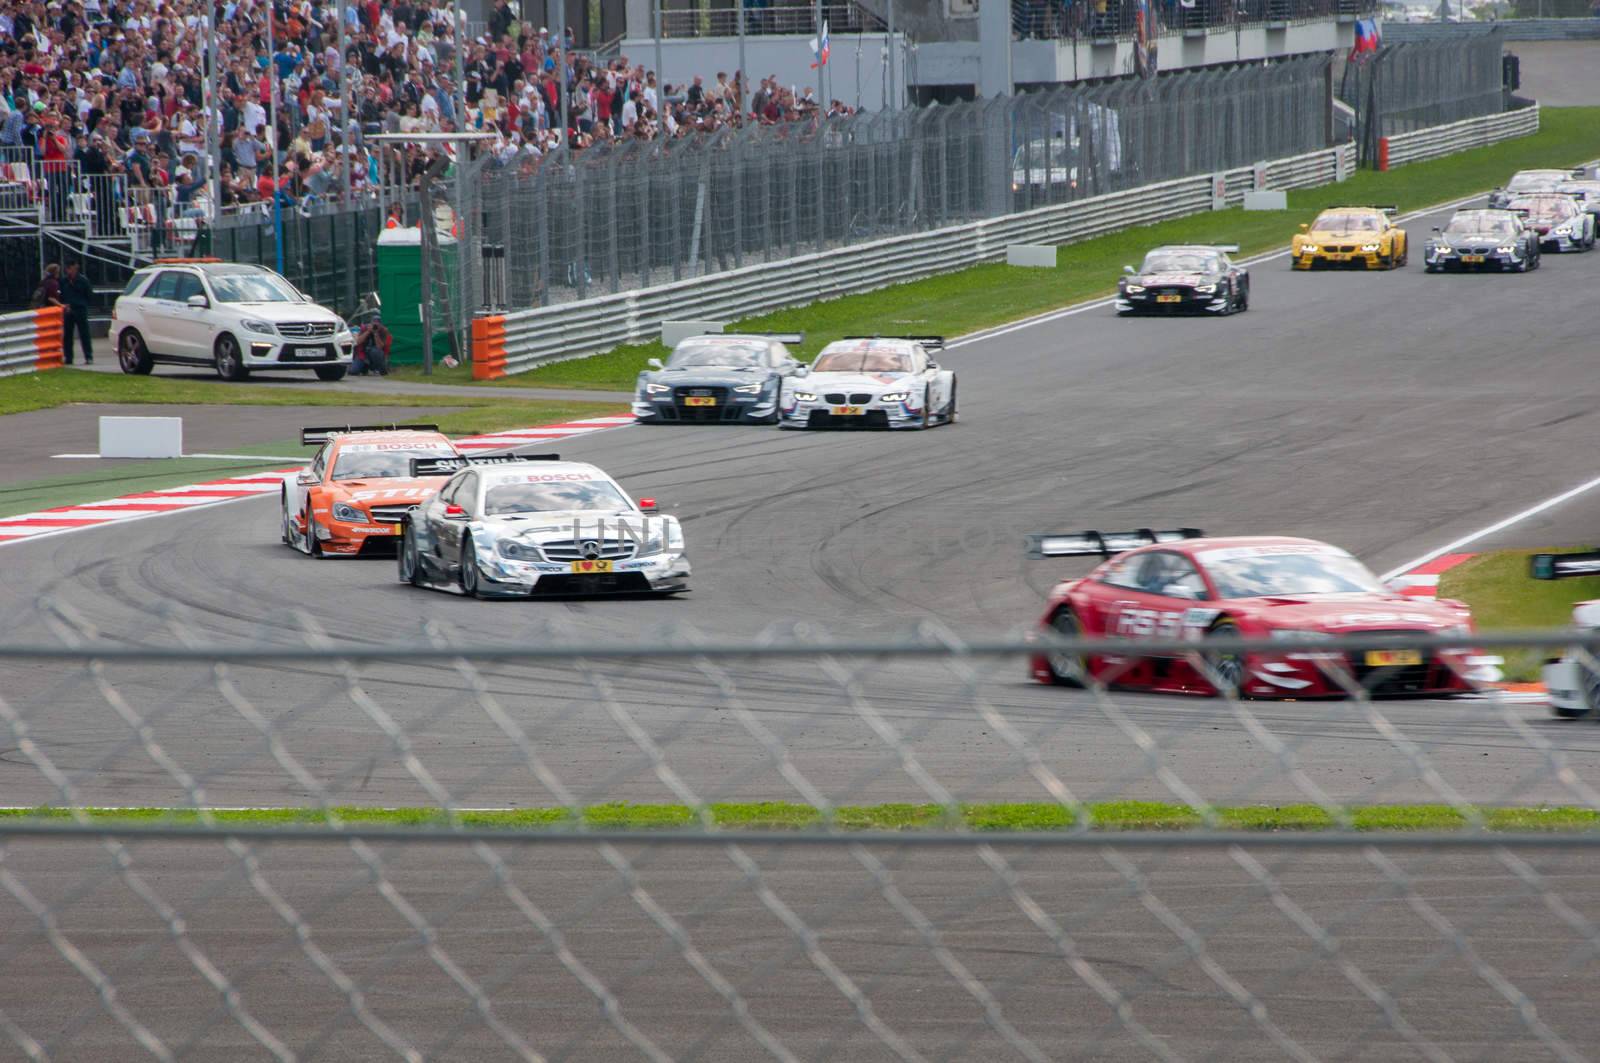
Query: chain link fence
[790,848]
[1405,87]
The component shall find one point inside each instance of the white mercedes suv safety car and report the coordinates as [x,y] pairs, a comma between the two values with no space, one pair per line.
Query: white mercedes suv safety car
[509,526]
[871,382]
[229,316]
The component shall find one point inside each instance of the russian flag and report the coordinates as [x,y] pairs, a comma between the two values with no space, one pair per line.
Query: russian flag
[819,47]
[1368,38]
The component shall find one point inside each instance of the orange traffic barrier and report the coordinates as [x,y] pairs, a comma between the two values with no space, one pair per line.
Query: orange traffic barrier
[488,347]
[49,332]
[1383,153]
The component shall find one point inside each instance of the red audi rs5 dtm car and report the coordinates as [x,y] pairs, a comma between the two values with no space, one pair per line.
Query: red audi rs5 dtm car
[1178,584]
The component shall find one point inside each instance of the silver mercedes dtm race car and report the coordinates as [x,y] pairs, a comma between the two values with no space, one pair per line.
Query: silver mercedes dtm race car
[871,382]
[516,527]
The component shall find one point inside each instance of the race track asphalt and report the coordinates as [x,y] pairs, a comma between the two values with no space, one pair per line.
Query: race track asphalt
[1388,413]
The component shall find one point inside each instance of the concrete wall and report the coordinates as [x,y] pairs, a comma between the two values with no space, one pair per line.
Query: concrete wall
[1049,62]
[856,68]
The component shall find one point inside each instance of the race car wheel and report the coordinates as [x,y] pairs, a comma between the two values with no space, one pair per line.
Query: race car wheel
[287,529]
[1067,669]
[229,362]
[927,407]
[952,413]
[410,564]
[133,355]
[313,548]
[470,583]
[1227,664]
[1244,298]
[1405,253]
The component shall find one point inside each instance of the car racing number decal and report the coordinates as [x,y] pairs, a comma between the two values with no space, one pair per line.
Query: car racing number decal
[1135,621]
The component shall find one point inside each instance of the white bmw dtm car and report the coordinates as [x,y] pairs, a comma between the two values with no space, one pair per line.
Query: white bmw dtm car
[515,527]
[871,382]
[1573,686]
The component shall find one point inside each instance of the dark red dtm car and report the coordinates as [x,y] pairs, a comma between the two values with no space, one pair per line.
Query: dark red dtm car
[1177,584]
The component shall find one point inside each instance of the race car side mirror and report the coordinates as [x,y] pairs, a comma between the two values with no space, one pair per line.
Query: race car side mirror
[647,505]
[1129,271]
[307,478]
[655,363]
[804,370]
[1305,227]
[1437,229]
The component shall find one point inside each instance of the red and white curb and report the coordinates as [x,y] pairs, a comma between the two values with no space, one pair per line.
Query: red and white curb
[1423,581]
[63,519]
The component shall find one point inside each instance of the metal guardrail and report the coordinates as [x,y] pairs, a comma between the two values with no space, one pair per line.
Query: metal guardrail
[30,341]
[1456,136]
[529,338]
[1516,29]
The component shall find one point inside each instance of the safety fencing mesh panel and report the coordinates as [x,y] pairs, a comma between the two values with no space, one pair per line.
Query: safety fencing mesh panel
[791,849]
[1405,87]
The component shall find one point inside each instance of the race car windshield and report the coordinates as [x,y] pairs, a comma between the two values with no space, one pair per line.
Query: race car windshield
[251,288]
[1558,209]
[380,464]
[1531,182]
[1273,574]
[1173,262]
[1347,223]
[1474,224]
[862,362]
[730,355]
[507,499]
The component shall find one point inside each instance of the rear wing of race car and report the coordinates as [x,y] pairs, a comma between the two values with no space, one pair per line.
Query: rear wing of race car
[1102,544]
[932,343]
[447,466]
[778,337]
[1227,249]
[320,435]
[1563,566]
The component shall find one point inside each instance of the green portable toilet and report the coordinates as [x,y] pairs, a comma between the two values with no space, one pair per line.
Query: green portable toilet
[399,261]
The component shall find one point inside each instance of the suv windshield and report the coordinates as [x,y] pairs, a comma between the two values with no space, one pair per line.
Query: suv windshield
[545,497]
[1180,262]
[863,362]
[1297,573]
[251,288]
[381,464]
[733,355]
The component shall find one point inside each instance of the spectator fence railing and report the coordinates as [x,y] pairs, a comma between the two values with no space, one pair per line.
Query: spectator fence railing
[1406,87]
[1087,20]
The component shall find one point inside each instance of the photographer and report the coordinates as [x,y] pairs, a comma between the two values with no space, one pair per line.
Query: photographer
[372,349]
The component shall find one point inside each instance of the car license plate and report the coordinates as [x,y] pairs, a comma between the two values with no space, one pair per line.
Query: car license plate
[1392,658]
[591,567]
[848,411]
[310,353]
[1472,258]
[700,400]
[1169,298]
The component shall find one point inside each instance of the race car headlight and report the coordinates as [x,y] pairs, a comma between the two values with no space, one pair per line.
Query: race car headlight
[350,514]
[1507,250]
[657,389]
[1563,230]
[1133,288]
[1205,289]
[749,389]
[515,551]
[1309,249]
[806,396]
[266,328]
[895,396]
[1442,249]
[1369,248]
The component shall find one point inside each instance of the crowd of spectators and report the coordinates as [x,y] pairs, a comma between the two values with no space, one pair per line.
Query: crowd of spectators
[119,86]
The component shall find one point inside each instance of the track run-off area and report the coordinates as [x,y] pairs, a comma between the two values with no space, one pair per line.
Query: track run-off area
[1388,413]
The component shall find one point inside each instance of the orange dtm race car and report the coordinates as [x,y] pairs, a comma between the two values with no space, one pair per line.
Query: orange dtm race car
[349,502]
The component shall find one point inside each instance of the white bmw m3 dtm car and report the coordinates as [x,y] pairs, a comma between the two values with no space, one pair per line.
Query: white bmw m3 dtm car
[1573,685]
[514,527]
[871,382]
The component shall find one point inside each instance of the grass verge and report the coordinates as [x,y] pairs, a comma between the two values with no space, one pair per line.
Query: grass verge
[468,414]
[1504,597]
[782,815]
[952,304]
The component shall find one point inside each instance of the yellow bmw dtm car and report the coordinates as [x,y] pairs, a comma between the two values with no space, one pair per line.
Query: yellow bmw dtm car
[1350,236]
